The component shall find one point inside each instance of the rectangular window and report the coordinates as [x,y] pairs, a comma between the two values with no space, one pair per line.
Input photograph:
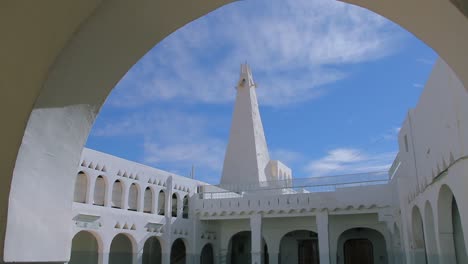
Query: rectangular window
[406,143]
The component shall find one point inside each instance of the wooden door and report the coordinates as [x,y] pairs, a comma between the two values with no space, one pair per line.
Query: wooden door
[308,252]
[358,251]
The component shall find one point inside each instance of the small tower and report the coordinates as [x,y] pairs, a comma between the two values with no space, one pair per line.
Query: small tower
[247,153]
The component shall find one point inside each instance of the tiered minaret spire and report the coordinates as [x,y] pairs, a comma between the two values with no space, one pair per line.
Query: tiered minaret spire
[247,152]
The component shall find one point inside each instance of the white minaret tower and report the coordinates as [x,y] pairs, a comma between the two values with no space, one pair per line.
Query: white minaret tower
[247,152]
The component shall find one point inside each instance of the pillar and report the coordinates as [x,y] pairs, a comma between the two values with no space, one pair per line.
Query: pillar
[256,239]
[323,238]
[273,257]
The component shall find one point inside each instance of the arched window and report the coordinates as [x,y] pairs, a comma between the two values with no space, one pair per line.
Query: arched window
[185,209]
[117,189]
[81,186]
[148,201]
[99,191]
[161,202]
[133,197]
[174,205]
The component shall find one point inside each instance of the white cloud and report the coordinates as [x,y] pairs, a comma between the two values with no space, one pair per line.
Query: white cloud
[295,49]
[349,160]
[172,140]
[286,156]
[207,154]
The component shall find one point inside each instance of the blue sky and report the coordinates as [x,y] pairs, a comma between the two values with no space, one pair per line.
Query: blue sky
[334,84]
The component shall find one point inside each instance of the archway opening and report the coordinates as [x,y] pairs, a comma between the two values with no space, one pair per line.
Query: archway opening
[178,252]
[133,197]
[174,205]
[240,249]
[161,202]
[121,250]
[419,241]
[148,201]
[99,191]
[85,249]
[152,252]
[361,245]
[207,254]
[117,192]
[300,246]
[451,236]
[81,186]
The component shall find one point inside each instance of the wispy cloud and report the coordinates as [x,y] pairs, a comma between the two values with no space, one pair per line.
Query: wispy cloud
[286,156]
[349,160]
[295,47]
[172,139]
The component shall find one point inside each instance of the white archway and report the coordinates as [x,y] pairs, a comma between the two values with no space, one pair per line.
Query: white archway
[419,241]
[72,69]
[452,248]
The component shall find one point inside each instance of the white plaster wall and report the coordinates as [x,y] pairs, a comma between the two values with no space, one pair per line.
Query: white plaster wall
[436,135]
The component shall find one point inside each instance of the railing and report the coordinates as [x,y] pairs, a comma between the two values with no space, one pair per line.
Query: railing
[299,185]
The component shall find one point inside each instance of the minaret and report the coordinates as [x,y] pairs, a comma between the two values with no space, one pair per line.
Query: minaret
[247,152]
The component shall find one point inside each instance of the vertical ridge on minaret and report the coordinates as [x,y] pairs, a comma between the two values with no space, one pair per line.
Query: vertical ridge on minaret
[247,152]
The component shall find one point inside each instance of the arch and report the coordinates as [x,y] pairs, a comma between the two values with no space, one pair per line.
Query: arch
[161,202]
[239,249]
[148,200]
[85,248]
[52,94]
[99,191]
[207,254]
[178,252]
[429,231]
[81,188]
[185,208]
[117,193]
[152,251]
[175,200]
[121,249]
[419,242]
[299,246]
[133,194]
[452,245]
[367,246]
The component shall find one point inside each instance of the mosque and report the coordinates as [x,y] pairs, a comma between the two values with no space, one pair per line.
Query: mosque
[124,212]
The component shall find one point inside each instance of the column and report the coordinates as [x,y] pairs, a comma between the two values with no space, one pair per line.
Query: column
[256,238]
[323,238]
[273,257]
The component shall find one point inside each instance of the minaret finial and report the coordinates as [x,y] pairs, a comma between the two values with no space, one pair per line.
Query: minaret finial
[246,78]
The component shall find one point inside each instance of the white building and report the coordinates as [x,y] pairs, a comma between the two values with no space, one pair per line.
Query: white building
[126,212]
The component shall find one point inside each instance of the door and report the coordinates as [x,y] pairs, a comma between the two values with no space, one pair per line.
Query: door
[308,251]
[358,251]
